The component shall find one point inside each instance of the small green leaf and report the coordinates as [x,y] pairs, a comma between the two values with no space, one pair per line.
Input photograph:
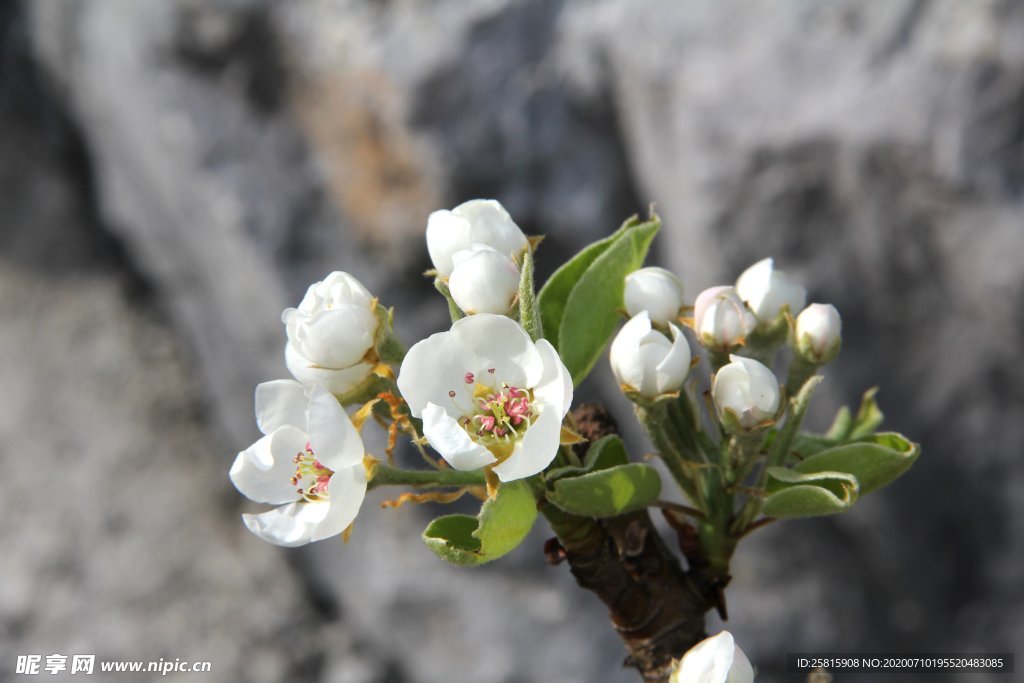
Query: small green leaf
[869,417]
[556,291]
[388,346]
[841,425]
[591,312]
[794,494]
[609,492]
[874,461]
[504,521]
[606,452]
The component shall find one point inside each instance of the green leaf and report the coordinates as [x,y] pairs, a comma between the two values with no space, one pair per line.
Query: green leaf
[607,493]
[504,521]
[874,461]
[606,452]
[591,312]
[794,494]
[869,417]
[556,291]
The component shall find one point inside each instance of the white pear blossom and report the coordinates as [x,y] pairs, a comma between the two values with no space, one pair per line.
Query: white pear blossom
[644,360]
[483,280]
[721,319]
[488,395]
[480,221]
[330,333]
[745,391]
[310,463]
[767,291]
[714,660]
[656,291]
[819,332]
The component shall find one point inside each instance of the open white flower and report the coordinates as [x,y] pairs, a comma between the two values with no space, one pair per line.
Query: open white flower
[310,463]
[484,280]
[330,333]
[745,391]
[645,361]
[488,394]
[819,333]
[656,291]
[767,291]
[721,319]
[714,660]
[478,221]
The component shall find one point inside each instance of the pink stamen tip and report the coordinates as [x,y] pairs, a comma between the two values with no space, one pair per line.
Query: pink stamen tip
[500,431]
[469,378]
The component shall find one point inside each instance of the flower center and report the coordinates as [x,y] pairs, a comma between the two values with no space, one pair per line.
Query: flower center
[499,415]
[311,476]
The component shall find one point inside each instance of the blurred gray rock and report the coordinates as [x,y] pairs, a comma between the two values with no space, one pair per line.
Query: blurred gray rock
[240,149]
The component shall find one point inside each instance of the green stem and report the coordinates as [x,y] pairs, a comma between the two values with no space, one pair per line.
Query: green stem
[385,475]
[655,420]
[453,309]
[800,370]
[795,412]
[529,311]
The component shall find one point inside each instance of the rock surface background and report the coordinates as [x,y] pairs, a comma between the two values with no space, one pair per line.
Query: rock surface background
[174,173]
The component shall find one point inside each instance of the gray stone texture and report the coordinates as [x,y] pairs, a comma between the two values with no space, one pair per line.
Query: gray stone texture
[176,172]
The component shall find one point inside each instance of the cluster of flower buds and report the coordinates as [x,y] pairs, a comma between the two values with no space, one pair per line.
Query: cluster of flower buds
[473,249]
[740,326]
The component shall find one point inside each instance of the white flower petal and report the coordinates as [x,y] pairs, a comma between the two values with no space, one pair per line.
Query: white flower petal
[447,233]
[263,471]
[483,280]
[333,437]
[673,369]
[346,490]
[335,338]
[625,348]
[536,449]
[450,440]
[490,224]
[555,386]
[281,402]
[338,382]
[434,367]
[500,343]
[289,525]
[708,661]
[767,290]
[655,290]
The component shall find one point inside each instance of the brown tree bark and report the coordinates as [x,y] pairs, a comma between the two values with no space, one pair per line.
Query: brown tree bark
[655,605]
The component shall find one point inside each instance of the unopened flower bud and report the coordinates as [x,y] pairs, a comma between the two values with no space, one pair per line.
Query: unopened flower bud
[656,291]
[483,280]
[818,333]
[767,291]
[330,333]
[645,361]
[721,319]
[714,660]
[478,221]
[745,392]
